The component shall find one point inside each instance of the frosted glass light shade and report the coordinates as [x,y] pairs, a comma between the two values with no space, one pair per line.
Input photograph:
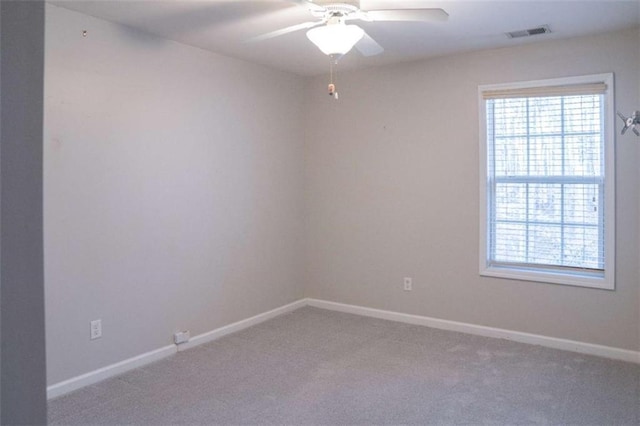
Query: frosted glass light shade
[335,39]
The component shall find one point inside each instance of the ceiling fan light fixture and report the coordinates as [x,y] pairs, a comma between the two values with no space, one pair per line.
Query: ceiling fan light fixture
[335,39]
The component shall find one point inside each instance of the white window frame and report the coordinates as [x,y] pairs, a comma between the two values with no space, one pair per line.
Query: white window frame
[601,280]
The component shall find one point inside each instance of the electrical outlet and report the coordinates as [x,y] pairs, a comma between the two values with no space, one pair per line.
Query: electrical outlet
[408,283]
[96,329]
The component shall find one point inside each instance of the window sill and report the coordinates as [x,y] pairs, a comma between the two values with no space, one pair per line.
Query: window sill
[589,280]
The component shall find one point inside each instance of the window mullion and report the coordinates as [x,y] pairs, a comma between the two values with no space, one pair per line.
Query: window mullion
[492,184]
[601,230]
[526,242]
[562,186]
[601,201]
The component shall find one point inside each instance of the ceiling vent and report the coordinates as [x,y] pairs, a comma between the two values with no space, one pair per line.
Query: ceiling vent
[530,32]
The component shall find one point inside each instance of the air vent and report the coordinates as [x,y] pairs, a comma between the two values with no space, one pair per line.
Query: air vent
[530,32]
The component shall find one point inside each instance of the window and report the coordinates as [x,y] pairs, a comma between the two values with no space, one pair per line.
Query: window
[547,181]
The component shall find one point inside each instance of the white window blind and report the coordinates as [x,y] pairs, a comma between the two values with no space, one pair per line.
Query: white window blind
[546,179]
[564,90]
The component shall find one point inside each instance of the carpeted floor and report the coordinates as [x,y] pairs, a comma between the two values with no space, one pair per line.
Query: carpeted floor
[320,367]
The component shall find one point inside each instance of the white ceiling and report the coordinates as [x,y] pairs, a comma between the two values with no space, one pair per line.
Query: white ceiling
[224,26]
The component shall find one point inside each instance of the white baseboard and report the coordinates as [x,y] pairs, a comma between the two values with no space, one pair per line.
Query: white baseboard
[103,373]
[237,326]
[112,370]
[517,336]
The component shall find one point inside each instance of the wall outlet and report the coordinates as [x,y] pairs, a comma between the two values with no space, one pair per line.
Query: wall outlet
[181,337]
[96,329]
[408,283]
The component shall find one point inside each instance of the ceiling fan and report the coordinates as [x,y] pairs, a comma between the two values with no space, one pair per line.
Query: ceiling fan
[334,37]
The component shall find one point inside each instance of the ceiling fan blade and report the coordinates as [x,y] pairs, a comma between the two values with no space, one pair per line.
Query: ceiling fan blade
[286,30]
[358,16]
[635,131]
[368,46]
[415,15]
[622,116]
[624,130]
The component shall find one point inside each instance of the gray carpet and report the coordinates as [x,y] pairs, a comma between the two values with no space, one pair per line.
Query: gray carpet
[314,366]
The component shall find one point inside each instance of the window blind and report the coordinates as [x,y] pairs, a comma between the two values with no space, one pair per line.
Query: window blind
[566,90]
[545,179]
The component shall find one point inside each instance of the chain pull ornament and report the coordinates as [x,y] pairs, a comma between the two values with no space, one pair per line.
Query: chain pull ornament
[332,83]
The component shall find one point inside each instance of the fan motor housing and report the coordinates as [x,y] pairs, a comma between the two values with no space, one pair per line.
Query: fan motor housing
[326,3]
[333,9]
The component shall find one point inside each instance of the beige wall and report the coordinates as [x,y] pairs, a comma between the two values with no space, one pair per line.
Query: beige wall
[186,190]
[392,191]
[172,194]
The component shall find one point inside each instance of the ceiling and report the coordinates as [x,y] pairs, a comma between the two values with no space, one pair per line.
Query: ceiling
[225,26]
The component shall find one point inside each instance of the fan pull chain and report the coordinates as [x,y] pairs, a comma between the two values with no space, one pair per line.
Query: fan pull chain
[332,86]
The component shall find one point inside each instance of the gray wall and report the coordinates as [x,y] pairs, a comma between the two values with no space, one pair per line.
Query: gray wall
[0,211]
[22,354]
[392,191]
[173,191]
[637,107]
